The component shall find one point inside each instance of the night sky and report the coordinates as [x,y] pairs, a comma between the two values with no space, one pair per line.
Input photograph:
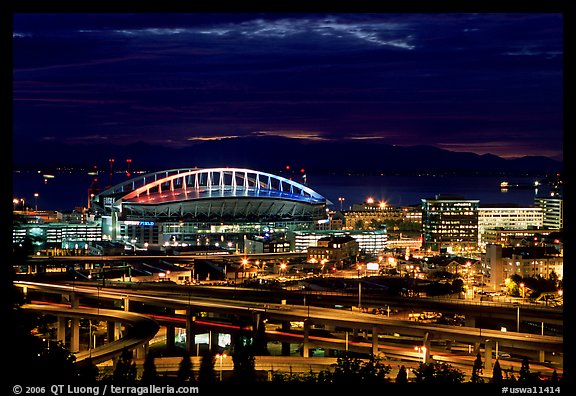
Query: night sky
[474,82]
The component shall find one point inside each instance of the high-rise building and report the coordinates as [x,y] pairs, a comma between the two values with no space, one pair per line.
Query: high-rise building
[552,210]
[450,223]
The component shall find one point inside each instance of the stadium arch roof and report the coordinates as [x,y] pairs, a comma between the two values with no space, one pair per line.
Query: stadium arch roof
[210,190]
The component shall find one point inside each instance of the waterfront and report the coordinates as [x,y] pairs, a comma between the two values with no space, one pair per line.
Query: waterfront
[69,190]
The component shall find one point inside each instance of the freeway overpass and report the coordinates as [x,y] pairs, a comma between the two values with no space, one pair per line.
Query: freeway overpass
[141,328]
[329,317]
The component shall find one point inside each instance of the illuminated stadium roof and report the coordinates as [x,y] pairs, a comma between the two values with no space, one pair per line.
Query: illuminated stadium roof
[212,194]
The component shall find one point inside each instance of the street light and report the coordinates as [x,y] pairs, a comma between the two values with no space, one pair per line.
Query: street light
[244,264]
[220,357]
[421,349]
[341,200]
[36,201]
[522,286]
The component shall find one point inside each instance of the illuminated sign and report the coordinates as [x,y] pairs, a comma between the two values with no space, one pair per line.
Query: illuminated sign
[372,266]
[139,223]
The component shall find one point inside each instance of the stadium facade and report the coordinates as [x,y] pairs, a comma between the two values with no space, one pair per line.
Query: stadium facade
[206,207]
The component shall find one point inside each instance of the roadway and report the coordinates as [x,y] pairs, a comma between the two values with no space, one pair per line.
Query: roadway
[141,328]
[315,315]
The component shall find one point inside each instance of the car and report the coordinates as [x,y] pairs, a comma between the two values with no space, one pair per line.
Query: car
[501,354]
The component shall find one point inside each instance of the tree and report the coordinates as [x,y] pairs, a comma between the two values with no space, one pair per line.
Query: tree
[347,370]
[554,378]
[477,370]
[438,373]
[324,377]
[260,341]
[54,361]
[374,371]
[185,370]
[497,373]
[149,374]
[524,375]
[402,376]
[206,373]
[354,370]
[125,370]
[87,371]
[243,356]
[457,285]
[553,278]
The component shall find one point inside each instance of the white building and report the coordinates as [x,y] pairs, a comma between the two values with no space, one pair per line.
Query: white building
[369,241]
[507,217]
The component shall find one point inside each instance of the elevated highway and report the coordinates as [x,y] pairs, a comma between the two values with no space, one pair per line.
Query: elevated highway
[141,328]
[333,318]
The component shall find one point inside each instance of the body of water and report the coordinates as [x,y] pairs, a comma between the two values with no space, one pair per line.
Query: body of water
[66,191]
[410,190]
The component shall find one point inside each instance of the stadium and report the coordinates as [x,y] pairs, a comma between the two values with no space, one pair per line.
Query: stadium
[219,207]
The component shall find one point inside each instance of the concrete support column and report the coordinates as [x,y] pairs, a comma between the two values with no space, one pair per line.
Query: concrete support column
[170,335]
[541,356]
[285,345]
[448,345]
[142,351]
[374,341]
[190,333]
[74,300]
[355,333]
[126,303]
[306,342]
[256,320]
[61,329]
[75,335]
[213,339]
[488,356]
[117,330]
[110,331]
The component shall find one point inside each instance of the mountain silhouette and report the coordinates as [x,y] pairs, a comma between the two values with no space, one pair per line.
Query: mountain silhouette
[273,153]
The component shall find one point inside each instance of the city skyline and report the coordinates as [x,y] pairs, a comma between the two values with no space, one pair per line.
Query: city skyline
[465,82]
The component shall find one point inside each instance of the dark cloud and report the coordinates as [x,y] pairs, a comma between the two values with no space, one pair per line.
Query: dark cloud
[481,82]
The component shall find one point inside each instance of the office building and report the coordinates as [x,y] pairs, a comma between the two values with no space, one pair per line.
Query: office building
[450,224]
